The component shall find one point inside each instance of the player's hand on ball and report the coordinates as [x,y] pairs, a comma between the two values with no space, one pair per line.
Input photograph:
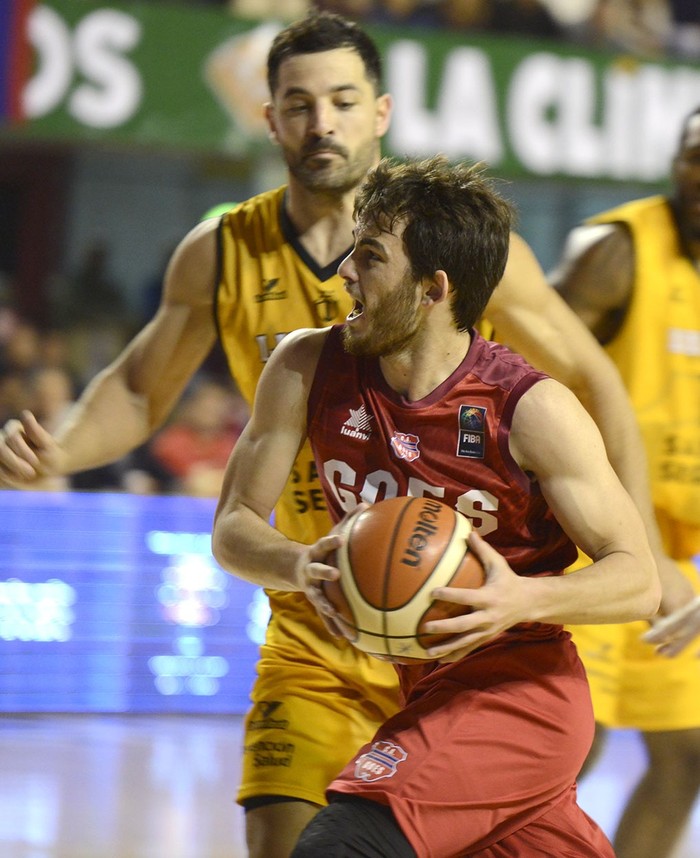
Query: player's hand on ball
[28,453]
[489,610]
[317,564]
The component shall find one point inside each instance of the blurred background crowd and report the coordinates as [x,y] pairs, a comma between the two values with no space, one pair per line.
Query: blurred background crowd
[646,27]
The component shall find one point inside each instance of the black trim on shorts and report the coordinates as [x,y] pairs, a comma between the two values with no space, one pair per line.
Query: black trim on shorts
[263,801]
[353,827]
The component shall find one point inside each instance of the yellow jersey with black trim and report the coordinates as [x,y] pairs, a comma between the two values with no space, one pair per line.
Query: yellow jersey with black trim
[657,350]
[268,286]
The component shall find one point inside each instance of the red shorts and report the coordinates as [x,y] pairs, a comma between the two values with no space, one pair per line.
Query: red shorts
[482,761]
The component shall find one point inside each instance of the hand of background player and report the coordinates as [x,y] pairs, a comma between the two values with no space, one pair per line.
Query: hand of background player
[496,606]
[673,633]
[28,453]
[316,565]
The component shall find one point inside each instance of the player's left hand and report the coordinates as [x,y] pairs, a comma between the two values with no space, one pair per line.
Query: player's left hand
[317,564]
[496,606]
[673,633]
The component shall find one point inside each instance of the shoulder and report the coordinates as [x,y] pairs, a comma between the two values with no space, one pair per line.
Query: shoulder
[598,258]
[547,420]
[191,273]
[299,351]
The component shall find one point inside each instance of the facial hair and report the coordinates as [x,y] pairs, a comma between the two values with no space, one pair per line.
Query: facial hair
[395,324]
[341,175]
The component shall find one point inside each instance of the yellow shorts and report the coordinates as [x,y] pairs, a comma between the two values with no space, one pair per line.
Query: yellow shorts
[315,702]
[631,685]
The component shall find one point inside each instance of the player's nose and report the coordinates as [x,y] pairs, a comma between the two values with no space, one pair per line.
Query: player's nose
[347,269]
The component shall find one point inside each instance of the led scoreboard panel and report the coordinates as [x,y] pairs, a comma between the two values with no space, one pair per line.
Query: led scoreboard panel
[114,603]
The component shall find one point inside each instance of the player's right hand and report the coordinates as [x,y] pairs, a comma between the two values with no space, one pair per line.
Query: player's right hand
[28,453]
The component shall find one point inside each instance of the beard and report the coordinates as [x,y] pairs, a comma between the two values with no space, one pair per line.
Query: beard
[342,175]
[395,324]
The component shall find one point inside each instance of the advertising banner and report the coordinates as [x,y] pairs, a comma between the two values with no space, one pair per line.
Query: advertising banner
[193,79]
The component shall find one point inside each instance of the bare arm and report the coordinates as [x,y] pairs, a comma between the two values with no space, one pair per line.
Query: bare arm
[592,506]
[127,401]
[244,543]
[595,277]
[555,440]
[532,319]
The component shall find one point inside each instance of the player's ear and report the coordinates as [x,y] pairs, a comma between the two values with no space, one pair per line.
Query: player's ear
[436,288]
[384,106]
[270,118]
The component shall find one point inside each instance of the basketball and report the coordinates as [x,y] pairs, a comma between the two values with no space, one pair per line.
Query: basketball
[394,555]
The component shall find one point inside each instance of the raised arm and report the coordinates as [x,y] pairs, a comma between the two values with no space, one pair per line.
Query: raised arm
[244,543]
[127,401]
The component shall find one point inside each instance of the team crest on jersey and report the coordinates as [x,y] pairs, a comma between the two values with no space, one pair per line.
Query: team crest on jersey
[358,424]
[406,445]
[326,306]
[471,438]
[381,761]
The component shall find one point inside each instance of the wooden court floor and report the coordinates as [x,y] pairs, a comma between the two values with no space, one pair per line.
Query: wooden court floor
[162,787]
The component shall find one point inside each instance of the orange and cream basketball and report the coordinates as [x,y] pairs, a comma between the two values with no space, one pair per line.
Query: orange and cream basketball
[394,555]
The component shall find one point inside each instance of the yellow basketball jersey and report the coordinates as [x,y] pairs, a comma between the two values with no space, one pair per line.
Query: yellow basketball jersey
[657,351]
[268,286]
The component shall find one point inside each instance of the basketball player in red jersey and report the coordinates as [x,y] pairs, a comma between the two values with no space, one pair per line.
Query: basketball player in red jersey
[483,756]
[327,112]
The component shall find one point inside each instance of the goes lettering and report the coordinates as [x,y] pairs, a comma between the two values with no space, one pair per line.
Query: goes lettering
[479,506]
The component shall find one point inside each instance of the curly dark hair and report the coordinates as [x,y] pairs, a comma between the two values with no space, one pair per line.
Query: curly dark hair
[454,220]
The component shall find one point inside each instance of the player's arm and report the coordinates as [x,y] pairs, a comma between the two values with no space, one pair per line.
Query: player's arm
[555,440]
[532,319]
[243,541]
[127,401]
[595,277]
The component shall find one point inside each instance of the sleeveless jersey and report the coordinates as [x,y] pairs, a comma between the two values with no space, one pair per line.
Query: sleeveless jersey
[370,443]
[657,351]
[268,286]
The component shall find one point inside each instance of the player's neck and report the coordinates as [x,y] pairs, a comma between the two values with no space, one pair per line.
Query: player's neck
[421,368]
[324,221]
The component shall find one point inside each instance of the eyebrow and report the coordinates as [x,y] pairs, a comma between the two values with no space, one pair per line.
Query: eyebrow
[299,90]
[372,242]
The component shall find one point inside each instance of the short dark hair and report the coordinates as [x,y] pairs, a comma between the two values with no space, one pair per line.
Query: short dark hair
[323,31]
[454,220]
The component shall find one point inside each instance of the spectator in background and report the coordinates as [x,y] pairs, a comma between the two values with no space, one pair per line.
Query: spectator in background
[195,446]
[524,17]
[91,294]
[282,10]
[640,27]
[685,38]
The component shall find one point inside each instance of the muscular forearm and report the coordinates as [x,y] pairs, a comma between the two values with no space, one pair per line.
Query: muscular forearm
[88,437]
[616,589]
[609,406]
[245,545]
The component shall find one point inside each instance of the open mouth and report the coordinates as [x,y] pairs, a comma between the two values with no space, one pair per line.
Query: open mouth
[357,310]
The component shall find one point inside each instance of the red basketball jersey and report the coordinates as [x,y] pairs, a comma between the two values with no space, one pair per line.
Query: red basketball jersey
[370,443]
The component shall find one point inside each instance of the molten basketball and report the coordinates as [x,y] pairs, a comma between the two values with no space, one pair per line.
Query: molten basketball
[394,555]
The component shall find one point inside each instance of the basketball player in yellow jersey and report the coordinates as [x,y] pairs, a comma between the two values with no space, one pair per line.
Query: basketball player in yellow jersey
[250,277]
[632,274]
